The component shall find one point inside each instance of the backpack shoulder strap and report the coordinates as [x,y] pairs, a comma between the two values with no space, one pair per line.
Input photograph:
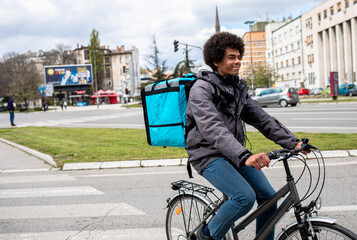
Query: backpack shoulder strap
[216,96]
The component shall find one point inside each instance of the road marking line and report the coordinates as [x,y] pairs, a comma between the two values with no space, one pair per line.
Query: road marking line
[36,178]
[49,192]
[69,211]
[338,208]
[118,234]
[325,119]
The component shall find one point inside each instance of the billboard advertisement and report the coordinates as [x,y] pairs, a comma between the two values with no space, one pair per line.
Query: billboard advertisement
[45,90]
[62,75]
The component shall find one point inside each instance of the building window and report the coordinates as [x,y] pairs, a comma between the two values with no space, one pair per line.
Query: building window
[293,61]
[331,10]
[86,54]
[299,60]
[279,37]
[297,27]
[120,59]
[276,52]
[286,49]
[311,78]
[347,3]
[106,60]
[285,35]
[292,46]
[277,66]
[319,16]
[298,44]
[325,13]
[287,63]
[260,54]
[291,32]
[281,64]
[259,44]
[338,6]
[287,76]
[107,73]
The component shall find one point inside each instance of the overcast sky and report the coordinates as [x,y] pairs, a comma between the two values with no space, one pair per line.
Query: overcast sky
[42,24]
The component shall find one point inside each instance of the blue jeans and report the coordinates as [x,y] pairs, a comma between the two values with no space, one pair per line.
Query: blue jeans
[243,186]
[12,117]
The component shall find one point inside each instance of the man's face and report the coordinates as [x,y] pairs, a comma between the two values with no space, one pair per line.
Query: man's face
[230,63]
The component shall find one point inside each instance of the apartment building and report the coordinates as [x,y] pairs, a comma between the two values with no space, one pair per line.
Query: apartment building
[121,68]
[254,52]
[285,52]
[329,32]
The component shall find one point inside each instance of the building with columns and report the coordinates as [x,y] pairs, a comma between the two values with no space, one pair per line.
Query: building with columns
[329,32]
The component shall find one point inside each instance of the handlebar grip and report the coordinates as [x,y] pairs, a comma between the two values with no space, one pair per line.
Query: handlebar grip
[271,155]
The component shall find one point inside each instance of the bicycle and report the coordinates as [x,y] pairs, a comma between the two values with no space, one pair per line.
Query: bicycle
[195,204]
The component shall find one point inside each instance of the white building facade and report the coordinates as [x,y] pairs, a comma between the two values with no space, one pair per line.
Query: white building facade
[121,68]
[329,32]
[284,53]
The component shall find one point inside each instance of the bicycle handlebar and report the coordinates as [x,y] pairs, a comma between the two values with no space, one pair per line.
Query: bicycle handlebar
[288,153]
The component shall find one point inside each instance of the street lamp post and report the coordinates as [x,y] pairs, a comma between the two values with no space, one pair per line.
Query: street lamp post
[251,53]
[95,76]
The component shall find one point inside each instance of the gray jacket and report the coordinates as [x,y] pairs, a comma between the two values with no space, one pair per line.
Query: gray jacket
[217,111]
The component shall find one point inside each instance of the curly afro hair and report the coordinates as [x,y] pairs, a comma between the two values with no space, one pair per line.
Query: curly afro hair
[214,48]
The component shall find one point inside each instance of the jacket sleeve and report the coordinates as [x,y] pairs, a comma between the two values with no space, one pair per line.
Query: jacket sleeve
[269,126]
[211,125]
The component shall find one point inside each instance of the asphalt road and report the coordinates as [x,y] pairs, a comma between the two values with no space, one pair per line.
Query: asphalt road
[321,117]
[131,203]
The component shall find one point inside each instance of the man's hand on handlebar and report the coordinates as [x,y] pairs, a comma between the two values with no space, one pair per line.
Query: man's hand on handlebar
[299,145]
[258,161]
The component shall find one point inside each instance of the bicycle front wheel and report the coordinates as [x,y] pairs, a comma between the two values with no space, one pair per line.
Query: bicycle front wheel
[184,214]
[323,231]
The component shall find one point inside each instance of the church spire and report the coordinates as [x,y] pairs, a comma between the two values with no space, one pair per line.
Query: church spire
[218,27]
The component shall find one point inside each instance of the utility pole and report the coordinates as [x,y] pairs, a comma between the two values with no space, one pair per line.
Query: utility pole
[251,52]
[95,76]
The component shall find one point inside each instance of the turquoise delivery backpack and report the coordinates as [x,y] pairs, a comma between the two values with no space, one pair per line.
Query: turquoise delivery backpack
[164,103]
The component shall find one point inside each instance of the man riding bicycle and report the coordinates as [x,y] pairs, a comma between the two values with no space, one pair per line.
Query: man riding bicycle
[218,107]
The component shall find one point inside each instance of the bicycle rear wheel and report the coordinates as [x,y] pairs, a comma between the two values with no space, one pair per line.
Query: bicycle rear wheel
[184,214]
[323,231]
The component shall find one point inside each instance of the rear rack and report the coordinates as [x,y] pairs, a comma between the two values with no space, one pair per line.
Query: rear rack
[191,186]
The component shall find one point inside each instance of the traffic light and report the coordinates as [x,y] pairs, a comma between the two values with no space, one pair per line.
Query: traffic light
[176,45]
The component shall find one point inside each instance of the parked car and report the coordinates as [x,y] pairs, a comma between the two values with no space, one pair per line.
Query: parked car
[315,91]
[304,91]
[344,89]
[282,96]
[353,92]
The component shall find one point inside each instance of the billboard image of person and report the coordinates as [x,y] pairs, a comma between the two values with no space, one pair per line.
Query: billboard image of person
[68,75]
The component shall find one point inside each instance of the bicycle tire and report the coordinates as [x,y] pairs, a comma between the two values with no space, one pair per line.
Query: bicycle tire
[179,221]
[323,230]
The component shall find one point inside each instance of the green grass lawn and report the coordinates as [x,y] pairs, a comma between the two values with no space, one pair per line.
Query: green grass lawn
[67,145]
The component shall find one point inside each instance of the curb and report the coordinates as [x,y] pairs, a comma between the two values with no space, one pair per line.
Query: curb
[125,164]
[144,163]
[47,158]
[177,162]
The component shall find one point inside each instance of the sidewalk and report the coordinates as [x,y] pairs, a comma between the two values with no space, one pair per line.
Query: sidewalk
[17,158]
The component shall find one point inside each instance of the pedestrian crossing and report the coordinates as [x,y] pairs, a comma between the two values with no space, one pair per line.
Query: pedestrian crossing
[31,210]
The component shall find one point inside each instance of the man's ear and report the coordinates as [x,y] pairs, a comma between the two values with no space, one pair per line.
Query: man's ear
[216,64]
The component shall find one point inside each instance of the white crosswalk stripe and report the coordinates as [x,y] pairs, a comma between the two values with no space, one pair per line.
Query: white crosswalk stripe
[119,234]
[67,211]
[19,206]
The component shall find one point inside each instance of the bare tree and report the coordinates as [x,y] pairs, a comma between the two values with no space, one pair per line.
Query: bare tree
[64,54]
[155,62]
[22,77]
